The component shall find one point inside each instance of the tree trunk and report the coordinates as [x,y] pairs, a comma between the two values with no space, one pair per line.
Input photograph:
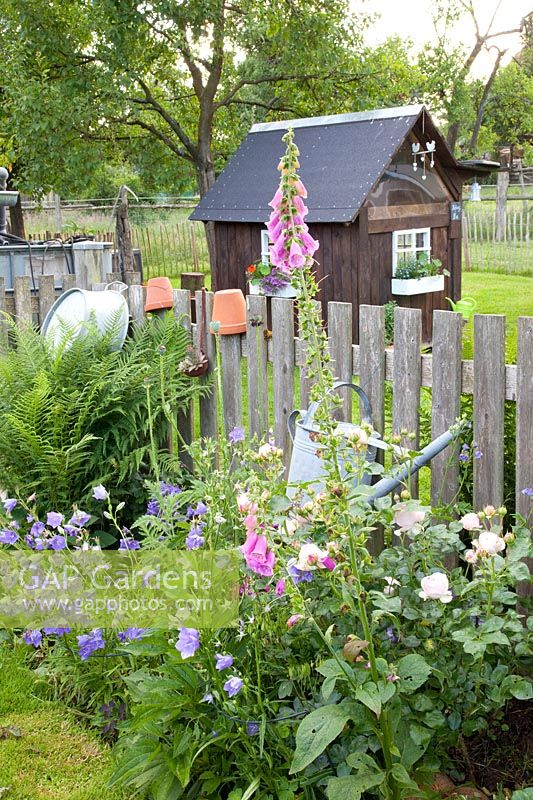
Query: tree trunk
[125,262]
[484,101]
[16,219]
[205,174]
[453,133]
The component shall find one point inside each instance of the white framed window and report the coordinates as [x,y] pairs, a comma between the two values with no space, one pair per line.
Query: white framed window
[265,245]
[410,244]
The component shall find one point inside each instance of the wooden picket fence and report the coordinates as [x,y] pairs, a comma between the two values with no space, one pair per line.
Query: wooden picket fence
[278,359]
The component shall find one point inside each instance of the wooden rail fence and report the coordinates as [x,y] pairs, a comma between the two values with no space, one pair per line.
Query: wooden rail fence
[487,377]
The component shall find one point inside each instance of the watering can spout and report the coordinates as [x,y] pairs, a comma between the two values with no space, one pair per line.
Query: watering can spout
[453,305]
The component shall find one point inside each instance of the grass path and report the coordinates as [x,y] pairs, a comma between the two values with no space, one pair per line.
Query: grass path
[44,753]
[511,295]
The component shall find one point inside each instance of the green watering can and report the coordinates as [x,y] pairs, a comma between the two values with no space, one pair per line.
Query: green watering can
[465,306]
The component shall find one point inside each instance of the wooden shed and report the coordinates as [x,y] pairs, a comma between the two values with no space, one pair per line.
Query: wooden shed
[368,206]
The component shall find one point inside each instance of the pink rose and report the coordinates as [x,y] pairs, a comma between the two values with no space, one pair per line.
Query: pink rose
[436,587]
[406,520]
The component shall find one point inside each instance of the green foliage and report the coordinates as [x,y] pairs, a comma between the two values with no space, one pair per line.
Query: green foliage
[79,416]
[419,267]
[389,321]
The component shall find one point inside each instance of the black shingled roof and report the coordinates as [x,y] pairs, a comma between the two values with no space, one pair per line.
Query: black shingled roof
[341,159]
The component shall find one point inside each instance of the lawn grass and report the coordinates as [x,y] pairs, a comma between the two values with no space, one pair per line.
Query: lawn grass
[44,753]
[511,295]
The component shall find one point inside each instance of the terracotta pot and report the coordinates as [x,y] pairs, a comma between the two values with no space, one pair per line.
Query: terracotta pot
[229,310]
[159,294]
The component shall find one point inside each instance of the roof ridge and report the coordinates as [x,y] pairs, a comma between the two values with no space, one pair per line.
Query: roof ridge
[336,119]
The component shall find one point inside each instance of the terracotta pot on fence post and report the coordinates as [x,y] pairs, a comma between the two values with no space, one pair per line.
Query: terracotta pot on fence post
[159,294]
[229,310]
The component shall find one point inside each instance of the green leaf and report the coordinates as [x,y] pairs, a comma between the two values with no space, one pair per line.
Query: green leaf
[369,695]
[523,794]
[413,671]
[401,776]
[315,732]
[284,689]
[353,786]
[280,502]
[518,687]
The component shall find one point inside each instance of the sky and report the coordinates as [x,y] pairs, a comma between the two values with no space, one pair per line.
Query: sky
[413,19]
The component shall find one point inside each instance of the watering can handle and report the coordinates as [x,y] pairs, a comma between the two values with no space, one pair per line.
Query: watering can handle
[291,423]
[367,408]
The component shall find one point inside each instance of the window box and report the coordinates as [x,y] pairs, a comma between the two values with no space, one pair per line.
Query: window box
[285,291]
[410,286]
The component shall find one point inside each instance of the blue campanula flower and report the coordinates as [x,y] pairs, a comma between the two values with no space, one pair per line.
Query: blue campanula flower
[34,637]
[54,519]
[223,661]
[233,686]
[188,642]
[89,642]
[7,536]
[9,504]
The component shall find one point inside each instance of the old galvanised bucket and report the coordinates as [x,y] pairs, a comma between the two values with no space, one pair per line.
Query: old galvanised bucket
[306,466]
[74,309]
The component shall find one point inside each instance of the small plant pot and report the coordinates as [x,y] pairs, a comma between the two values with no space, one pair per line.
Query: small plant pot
[229,310]
[283,291]
[411,286]
[159,294]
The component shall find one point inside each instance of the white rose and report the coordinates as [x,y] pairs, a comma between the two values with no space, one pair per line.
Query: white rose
[490,543]
[406,520]
[309,556]
[436,587]
[470,522]
[390,584]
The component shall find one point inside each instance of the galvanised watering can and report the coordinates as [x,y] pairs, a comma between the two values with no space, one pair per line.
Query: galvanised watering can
[465,306]
[306,466]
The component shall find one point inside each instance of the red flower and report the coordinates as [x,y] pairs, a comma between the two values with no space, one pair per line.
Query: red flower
[251,268]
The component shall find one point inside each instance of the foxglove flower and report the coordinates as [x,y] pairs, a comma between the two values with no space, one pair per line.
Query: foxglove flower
[280,587]
[436,587]
[259,558]
[188,642]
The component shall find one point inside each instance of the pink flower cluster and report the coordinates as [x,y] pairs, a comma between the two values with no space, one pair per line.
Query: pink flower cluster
[292,244]
[259,558]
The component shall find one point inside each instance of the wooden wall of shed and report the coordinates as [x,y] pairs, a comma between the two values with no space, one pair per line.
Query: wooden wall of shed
[353,266]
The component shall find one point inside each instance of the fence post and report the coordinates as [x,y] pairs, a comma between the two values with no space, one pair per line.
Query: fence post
[47,295]
[207,404]
[185,419]
[257,366]
[489,406]
[372,360]
[283,371]
[407,378]
[3,321]
[340,348]
[125,261]
[136,302]
[23,309]
[502,185]
[69,282]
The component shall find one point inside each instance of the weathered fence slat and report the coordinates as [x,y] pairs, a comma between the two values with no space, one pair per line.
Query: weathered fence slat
[446,401]
[489,399]
[23,305]
[524,415]
[230,356]
[3,321]
[407,378]
[283,372]
[185,418]
[340,348]
[372,361]
[256,346]
[208,404]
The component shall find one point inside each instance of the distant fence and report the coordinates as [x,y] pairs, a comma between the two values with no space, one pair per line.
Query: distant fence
[498,247]
[404,368]
[166,249]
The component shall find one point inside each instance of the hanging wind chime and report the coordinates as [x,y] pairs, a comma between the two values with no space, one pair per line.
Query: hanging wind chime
[421,154]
